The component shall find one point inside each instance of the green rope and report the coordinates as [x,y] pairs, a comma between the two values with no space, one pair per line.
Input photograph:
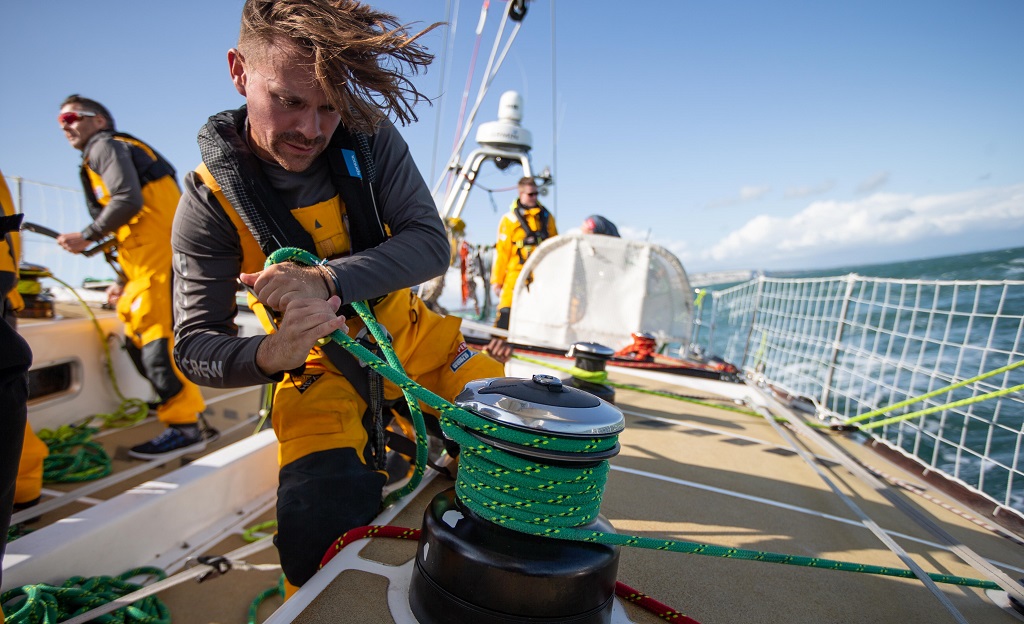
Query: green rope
[73,457]
[929,395]
[253,533]
[254,607]
[302,256]
[130,411]
[48,604]
[572,371]
[939,408]
[266,406]
[17,530]
[660,393]
[545,500]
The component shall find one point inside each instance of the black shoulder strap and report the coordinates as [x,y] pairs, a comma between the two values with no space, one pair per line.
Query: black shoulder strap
[520,213]
[225,152]
[237,170]
[92,203]
[148,170]
[353,173]
[533,237]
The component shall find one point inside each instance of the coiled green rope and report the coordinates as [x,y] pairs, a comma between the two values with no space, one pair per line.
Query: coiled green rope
[73,457]
[540,499]
[48,604]
[254,606]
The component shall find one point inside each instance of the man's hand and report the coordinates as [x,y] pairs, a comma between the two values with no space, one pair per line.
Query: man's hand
[497,289]
[114,292]
[74,242]
[499,349]
[304,322]
[280,284]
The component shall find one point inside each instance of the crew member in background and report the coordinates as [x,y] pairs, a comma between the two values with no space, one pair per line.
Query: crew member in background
[522,228]
[20,481]
[596,224]
[312,161]
[132,193]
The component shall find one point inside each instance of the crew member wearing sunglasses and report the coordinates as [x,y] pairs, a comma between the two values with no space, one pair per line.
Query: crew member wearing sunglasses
[522,228]
[132,193]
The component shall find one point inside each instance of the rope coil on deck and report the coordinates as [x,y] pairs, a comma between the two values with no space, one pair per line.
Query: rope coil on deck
[539,499]
[48,604]
[73,457]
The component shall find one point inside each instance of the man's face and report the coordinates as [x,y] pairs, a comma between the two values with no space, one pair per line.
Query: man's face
[80,126]
[528,196]
[290,119]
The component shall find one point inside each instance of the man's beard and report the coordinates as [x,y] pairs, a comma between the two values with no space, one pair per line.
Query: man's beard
[287,159]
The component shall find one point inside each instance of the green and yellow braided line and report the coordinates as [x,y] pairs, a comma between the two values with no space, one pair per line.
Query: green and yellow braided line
[49,604]
[131,410]
[540,499]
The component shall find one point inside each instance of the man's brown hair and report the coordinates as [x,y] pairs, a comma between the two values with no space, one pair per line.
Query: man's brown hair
[526,181]
[358,54]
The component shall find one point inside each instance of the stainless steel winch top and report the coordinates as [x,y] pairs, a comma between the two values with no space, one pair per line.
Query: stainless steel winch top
[542,404]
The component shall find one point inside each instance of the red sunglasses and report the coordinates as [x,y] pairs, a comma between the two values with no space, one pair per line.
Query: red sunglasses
[71,117]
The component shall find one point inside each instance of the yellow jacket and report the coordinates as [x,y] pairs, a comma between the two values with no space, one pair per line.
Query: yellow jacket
[10,248]
[515,244]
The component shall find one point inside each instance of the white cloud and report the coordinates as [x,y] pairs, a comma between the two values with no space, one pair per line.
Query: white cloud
[826,228]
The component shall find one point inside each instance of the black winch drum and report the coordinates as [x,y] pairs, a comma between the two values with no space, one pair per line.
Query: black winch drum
[593,358]
[471,571]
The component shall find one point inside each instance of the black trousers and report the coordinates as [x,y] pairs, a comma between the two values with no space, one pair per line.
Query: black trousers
[504,314]
[319,497]
[15,361]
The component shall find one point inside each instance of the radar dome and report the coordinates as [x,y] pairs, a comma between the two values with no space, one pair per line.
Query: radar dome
[506,133]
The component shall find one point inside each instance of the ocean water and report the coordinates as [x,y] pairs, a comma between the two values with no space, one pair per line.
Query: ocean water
[979,329]
[999,265]
[1004,264]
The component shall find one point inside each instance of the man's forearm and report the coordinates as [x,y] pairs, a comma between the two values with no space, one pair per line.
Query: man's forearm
[220,361]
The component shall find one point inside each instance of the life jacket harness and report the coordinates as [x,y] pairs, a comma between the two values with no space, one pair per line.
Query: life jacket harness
[533,237]
[226,153]
[150,167]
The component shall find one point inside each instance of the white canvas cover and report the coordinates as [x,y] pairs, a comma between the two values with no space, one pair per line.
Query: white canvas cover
[593,288]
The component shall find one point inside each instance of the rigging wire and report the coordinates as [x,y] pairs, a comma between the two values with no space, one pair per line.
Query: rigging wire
[465,90]
[489,73]
[554,115]
[452,17]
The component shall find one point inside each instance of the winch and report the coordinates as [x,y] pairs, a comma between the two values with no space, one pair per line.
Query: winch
[470,569]
[591,360]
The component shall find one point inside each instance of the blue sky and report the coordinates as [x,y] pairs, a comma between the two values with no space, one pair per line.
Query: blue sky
[750,135]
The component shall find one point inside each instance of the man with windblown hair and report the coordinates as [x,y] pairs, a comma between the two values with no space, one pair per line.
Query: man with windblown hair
[312,161]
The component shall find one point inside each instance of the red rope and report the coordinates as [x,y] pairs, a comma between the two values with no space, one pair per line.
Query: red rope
[367,531]
[464,260]
[659,609]
[622,590]
[642,349]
